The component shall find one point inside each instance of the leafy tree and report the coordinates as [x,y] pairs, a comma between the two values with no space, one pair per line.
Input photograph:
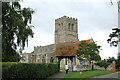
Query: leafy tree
[117,61]
[103,63]
[106,62]
[88,51]
[111,59]
[113,37]
[15,30]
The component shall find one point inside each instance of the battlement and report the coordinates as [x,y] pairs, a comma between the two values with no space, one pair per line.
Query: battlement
[66,17]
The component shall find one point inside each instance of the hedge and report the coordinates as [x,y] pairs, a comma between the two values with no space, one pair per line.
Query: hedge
[28,70]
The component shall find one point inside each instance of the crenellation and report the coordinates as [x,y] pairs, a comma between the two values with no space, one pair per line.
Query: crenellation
[73,18]
[65,18]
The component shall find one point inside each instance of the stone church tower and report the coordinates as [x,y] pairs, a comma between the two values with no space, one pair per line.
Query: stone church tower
[66,30]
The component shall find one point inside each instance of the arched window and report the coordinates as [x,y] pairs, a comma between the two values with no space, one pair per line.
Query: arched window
[72,26]
[43,59]
[59,25]
[69,26]
[38,60]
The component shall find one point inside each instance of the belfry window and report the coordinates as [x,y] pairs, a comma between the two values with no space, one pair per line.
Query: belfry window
[69,26]
[72,26]
[59,25]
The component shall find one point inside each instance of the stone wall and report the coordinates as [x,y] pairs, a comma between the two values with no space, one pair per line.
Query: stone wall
[42,54]
[86,67]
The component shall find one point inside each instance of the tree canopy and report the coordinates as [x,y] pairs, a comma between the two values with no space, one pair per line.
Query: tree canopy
[103,63]
[16,29]
[89,51]
[114,37]
[106,62]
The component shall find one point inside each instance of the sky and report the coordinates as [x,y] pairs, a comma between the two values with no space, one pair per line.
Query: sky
[96,18]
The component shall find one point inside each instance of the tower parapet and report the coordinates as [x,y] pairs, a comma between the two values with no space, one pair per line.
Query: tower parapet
[66,17]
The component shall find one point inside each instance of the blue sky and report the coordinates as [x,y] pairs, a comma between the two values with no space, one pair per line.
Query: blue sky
[96,18]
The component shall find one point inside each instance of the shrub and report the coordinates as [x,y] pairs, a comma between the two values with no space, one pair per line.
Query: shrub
[28,70]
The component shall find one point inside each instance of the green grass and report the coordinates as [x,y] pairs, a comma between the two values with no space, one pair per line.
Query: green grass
[87,74]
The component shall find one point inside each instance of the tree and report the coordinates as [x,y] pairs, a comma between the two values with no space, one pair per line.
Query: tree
[113,37]
[88,51]
[103,63]
[16,29]
[117,61]
[111,59]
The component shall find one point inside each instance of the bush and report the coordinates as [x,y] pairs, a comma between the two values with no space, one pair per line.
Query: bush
[28,70]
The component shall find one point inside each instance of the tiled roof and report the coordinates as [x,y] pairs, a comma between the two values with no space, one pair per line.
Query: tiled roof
[68,48]
[65,49]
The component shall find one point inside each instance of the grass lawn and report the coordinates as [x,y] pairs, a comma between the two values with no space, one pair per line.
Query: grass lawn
[87,74]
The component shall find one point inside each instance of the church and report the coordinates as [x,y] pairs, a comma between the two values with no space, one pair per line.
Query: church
[64,48]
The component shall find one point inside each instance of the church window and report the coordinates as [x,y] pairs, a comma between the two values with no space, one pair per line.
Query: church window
[69,26]
[72,26]
[45,54]
[38,60]
[43,59]
[59,25]
[40,55]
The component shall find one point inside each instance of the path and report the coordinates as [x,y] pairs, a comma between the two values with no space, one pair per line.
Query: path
[58,75]
[113,75]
